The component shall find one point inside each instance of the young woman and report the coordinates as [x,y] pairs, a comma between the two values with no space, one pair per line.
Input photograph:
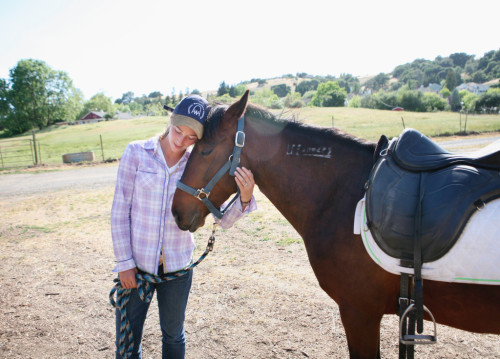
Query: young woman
[145,236]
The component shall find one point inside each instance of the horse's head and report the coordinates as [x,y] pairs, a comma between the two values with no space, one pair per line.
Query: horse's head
[209,155]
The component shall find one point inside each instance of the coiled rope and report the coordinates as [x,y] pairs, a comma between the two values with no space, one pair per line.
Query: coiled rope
[145,288]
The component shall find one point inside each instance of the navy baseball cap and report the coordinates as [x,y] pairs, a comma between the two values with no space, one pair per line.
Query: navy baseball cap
[192,111]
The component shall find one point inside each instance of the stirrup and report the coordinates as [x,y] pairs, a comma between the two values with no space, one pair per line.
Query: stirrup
[409,339]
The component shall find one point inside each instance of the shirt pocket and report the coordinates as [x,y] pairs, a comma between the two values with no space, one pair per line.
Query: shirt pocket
[146,177]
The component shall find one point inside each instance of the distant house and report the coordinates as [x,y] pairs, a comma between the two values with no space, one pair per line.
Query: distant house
[431,88]
[98,116]
[123,116]
[91,117]
[473,87]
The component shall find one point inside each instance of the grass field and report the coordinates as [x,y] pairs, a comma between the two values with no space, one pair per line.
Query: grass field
[370,124]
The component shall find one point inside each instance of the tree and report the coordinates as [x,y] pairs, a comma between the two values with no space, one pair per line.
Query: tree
[305,86]
[460,58]
[223,89]
[39,96]
[155,94]
[329,94]
[126,98]
[98,102]
[378,82]
[281,90]
[4,103]
[455,101]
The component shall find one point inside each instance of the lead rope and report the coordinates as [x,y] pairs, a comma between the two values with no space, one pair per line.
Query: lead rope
[146,291]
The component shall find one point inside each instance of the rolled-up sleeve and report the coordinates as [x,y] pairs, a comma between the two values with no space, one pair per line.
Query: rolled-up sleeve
[121,209]
[235,212]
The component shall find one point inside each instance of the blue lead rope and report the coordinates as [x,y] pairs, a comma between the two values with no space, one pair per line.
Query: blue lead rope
[146,290]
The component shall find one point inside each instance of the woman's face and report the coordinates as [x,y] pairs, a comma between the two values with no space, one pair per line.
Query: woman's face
[180,138]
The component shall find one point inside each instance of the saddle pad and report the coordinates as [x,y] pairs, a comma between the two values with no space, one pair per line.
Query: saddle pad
[474,258]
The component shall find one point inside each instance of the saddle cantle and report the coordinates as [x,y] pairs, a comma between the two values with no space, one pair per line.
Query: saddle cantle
[416,152]
[416,187]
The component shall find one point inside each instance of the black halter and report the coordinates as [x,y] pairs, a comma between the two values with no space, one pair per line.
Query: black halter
[233,162]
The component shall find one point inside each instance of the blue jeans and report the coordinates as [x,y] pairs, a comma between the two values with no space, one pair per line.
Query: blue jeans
[172,299]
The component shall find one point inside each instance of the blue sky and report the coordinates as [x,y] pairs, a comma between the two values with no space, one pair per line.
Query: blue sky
[144,46]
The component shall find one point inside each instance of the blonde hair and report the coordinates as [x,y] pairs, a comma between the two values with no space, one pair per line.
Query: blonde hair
[165,132]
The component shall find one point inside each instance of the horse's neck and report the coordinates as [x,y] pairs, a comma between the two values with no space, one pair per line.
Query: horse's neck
[306,177]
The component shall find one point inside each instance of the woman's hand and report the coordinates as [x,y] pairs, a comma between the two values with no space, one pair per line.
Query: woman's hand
[127,278]
[244,180]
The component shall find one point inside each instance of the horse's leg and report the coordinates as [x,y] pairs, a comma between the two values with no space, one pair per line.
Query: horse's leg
[362,332]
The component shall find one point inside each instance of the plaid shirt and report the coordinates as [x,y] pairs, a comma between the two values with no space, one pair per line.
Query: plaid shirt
[142,223]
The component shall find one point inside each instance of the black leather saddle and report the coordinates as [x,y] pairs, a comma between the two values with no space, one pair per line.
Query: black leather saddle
[419,191]
[419,198]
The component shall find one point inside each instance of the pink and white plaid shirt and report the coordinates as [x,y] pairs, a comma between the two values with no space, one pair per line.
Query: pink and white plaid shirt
[142,223]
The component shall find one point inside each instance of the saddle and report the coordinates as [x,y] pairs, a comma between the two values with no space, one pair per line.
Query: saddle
[417,187]
[419,197]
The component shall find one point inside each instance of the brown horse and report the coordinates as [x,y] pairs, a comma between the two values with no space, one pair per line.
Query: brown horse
[315,177]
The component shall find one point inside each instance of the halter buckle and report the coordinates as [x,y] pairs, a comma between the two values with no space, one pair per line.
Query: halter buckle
[239,140]
[200,192]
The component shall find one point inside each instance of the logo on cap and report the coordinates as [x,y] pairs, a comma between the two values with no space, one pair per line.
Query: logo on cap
[197,110]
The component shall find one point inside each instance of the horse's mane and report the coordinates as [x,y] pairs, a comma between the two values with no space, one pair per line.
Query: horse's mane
[216,113]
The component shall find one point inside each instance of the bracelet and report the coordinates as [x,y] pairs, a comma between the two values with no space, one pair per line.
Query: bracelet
[245,203]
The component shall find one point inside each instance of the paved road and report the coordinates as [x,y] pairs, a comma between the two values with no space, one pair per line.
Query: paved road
[29,183]
[99,176]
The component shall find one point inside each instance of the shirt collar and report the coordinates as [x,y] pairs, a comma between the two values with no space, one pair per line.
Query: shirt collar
[154,144]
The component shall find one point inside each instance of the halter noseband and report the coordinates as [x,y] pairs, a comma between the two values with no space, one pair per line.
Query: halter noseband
[231,164]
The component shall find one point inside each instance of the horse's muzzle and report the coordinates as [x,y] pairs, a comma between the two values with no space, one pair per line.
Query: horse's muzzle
[187,223]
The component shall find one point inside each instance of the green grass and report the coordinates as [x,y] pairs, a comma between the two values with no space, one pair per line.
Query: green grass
[365,123]
[370,124]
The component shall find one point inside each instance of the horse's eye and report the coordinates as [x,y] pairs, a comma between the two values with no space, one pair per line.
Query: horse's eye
[206,152]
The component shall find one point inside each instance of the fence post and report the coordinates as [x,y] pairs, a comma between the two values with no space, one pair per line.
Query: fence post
[39,153]
[34,148]
[102,148]
[403,120]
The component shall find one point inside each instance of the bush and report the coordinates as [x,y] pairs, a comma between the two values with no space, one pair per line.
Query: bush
[367,101]
[434,102]
[293,100]
[411,100]
[329,94]
[385,100]
[355,102]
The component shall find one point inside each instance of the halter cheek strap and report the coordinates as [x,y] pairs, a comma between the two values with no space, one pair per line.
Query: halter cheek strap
[234,160]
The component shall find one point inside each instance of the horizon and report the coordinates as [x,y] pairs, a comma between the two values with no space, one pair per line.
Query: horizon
[117,46]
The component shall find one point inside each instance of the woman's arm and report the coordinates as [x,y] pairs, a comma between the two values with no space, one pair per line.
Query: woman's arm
[120,211]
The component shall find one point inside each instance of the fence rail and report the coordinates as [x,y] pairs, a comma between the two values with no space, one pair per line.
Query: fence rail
[17,153]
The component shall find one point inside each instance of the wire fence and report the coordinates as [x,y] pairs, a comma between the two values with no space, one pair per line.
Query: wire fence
[86,150]
[18,153]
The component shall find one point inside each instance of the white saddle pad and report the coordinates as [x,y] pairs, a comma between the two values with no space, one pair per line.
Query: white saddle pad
[474,259]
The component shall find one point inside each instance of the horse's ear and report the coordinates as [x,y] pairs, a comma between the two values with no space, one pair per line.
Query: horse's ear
[236,110]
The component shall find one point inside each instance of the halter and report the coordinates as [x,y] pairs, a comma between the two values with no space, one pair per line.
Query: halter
[231,164]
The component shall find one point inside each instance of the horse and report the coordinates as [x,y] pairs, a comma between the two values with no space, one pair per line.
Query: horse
[315,176]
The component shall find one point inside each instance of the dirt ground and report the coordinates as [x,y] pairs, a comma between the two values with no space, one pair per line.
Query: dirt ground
[255,296]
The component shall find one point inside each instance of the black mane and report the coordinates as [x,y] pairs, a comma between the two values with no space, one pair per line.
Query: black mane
[216,113]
